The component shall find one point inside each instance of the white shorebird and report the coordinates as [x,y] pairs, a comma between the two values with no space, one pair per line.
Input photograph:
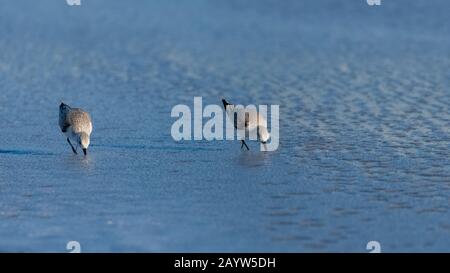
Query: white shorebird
[76,125]
[250,123]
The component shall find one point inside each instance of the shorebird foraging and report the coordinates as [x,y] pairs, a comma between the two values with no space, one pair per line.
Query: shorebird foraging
[76,125]
[247,121]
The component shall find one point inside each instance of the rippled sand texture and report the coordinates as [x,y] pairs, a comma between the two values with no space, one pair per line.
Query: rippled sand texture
[364,151]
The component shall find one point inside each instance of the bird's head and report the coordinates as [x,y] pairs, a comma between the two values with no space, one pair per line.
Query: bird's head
[84,142]
[263,134]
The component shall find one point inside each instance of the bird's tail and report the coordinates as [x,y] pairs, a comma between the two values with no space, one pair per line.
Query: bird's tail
[225,103]
[63,105]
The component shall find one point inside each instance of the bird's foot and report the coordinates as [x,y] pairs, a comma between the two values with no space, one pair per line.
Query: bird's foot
[244,144]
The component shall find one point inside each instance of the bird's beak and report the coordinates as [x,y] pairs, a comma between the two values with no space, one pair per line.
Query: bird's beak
[85,151]
[264,144]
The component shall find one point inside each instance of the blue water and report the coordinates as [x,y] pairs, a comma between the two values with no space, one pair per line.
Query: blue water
[365,114]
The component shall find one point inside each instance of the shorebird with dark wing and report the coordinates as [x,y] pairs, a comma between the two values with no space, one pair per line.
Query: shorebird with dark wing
[76,125]
[247,121]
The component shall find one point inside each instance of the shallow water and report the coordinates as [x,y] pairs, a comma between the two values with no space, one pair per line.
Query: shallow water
[364,150]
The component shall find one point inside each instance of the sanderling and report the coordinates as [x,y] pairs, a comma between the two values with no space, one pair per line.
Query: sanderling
[76,125]
[248,122]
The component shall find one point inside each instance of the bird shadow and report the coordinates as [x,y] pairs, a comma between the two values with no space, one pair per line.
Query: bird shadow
[24,152]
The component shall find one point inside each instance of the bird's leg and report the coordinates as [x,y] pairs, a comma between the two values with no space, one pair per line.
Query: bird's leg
[73,149]
[242,145]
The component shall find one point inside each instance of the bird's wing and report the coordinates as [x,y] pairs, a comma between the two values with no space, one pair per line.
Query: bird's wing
[235,116]
[80,121]
[249,121]
[239,121]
